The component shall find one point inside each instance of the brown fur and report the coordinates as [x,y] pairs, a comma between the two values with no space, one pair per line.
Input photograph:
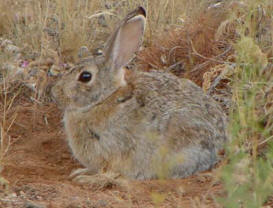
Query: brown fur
[136,124]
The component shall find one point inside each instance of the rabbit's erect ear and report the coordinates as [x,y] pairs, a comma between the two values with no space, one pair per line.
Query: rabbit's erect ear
[126,40]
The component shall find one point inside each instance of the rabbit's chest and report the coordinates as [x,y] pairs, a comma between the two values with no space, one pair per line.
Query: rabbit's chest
[102,124]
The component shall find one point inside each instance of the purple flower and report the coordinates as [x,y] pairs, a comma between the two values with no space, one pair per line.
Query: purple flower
[24,64]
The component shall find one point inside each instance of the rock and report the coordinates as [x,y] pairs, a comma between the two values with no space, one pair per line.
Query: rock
[33,205]
[12,49]
[4,43]
[102,203]
[73,205]
[8,46]
[12,69]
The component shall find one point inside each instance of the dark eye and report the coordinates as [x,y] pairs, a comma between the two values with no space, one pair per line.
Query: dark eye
[85,76]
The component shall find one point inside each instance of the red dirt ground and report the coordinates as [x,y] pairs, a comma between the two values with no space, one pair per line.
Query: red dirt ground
[39,162]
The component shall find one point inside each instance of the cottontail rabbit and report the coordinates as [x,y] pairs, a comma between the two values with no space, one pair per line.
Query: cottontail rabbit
[140,125]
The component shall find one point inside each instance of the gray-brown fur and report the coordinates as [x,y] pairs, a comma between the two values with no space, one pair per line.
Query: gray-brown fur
[137,124]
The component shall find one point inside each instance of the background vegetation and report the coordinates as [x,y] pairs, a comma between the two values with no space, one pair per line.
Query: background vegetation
[223,46]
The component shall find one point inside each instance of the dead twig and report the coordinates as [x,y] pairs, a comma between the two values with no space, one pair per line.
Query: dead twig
[220,77]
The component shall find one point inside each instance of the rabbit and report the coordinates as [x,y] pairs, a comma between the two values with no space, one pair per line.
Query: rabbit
[134,124]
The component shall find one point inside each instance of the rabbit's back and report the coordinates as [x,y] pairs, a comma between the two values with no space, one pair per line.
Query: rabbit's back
[169,120]
[180,106]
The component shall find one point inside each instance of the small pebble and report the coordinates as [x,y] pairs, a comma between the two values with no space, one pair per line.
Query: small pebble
[4,43]
[12,49]
[13,195]
[102,203]
[33,205]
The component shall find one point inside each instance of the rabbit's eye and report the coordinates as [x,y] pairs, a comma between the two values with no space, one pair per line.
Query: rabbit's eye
[85,76]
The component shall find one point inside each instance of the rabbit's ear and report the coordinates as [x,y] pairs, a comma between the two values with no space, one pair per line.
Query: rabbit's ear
[126,40]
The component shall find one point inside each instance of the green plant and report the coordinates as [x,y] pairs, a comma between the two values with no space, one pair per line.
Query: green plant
[248,175]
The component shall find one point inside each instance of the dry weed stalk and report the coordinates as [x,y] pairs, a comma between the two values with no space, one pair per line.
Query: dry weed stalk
[5,138]
[190,49]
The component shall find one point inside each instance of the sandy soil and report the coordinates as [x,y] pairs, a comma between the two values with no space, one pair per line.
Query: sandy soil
[39,162]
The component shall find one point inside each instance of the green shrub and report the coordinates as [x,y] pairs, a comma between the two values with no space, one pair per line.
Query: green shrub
[248,175]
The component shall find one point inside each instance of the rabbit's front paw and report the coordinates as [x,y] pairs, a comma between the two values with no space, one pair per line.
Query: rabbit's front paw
[80,171]
[98,181]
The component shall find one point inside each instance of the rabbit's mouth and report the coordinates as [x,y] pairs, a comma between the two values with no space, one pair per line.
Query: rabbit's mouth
[57,95]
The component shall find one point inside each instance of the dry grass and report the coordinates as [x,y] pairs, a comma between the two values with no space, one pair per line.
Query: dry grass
[47,36]
[187,50]
[199,49]
[65,26]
